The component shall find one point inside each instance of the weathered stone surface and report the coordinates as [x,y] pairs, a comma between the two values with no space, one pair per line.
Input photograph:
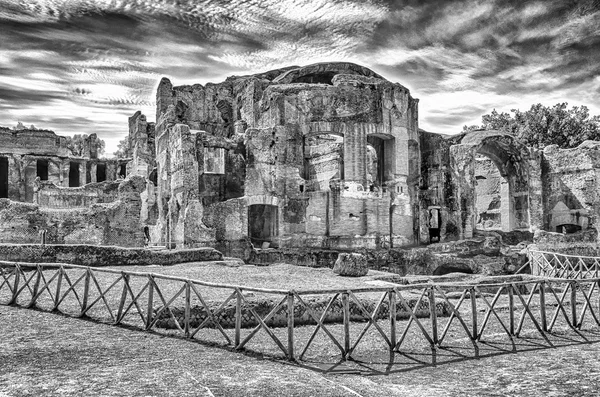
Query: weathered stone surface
[351,265]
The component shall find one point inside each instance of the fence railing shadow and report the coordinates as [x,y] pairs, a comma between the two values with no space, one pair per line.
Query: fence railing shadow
[376,329]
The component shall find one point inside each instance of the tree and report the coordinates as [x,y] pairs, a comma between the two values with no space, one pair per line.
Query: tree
[544,125]
[76,144]
[122,148]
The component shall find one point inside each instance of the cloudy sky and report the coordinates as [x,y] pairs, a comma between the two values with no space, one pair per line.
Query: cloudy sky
[83,66]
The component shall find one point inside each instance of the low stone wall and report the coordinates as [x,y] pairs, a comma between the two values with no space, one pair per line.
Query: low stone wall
[486,256]
[51,196]
[226,317]
[96,256]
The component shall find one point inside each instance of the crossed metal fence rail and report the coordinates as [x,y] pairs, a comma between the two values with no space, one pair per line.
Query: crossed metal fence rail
[552,264]
[501,309]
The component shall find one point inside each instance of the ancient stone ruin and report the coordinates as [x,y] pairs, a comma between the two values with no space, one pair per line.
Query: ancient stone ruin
[325,157]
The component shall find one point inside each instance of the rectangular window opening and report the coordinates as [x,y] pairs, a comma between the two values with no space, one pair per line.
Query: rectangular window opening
[3,177]
[73,174]
[100,172]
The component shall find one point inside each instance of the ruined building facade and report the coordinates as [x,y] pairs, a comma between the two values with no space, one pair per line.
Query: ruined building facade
[326,156]
[71,199]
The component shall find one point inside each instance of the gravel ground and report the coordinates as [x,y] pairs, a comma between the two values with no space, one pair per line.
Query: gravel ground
[52,355]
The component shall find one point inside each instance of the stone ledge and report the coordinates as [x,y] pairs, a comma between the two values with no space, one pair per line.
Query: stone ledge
[97,256]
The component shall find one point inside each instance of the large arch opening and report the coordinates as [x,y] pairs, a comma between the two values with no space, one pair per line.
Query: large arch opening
[323,160]
[263,224]
[501,181]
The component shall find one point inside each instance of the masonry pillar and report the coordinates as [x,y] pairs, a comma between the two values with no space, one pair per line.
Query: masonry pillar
[536,207]
[462,162]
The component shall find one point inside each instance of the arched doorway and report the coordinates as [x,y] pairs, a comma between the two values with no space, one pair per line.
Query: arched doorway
[498,194]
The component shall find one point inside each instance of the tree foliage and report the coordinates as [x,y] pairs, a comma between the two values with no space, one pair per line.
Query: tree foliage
[122,148]
[76,144]
[545,125]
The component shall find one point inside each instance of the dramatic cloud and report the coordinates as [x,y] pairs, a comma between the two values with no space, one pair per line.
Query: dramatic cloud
[83,66]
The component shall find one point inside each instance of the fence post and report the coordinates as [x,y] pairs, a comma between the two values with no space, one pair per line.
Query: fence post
[58,287]
[150,306]
[86,292]
[186,324]
[473,295]
[36,286]
[125,278]
[433,315]
[392,314]
[346,308]
[13,300]
[290,324]
[511,309]
[238,316]
[543,306]
[574,305]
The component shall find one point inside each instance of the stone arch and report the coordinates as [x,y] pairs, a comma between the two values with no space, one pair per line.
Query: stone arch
[511,158]
[447,268]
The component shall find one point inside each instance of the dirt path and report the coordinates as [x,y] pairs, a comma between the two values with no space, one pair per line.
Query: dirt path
[52,355]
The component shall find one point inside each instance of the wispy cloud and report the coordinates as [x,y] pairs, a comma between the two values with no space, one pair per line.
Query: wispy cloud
[82,66]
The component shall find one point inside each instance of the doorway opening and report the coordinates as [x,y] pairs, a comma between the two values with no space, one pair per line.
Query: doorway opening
[380,160]
[3,177]
[263,224]
[73,174]
[122,171]
[42,169]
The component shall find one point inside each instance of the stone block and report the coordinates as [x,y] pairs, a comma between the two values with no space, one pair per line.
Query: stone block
[351,265]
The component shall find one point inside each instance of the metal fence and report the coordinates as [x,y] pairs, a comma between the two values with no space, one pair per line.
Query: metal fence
[311,324]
